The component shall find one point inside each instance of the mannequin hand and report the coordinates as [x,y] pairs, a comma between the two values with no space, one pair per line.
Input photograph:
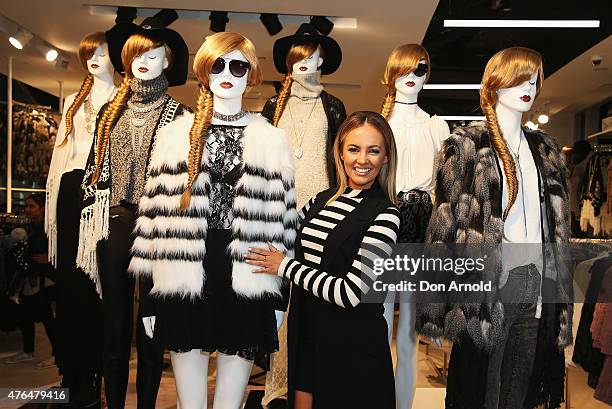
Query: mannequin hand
[149,325]
[268,259]
[280,315]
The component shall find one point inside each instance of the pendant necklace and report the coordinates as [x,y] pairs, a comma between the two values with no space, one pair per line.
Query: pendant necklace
[299,139]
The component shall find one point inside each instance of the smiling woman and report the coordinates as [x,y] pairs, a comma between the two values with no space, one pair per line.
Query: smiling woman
[337,344]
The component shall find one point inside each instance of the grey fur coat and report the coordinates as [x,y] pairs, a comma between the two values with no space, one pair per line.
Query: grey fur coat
[468,210]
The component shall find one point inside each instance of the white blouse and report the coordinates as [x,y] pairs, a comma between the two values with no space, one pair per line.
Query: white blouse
[73,155]
[418,140]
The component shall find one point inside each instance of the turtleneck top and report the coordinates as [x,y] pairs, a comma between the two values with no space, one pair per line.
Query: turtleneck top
[305,122]
[131,137]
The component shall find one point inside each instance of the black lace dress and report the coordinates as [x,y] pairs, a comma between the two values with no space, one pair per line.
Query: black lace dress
[220,320]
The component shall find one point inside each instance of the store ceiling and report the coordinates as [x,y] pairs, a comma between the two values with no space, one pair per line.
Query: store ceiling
[458,55]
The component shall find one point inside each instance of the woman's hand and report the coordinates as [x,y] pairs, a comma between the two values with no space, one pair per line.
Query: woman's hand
[268,259]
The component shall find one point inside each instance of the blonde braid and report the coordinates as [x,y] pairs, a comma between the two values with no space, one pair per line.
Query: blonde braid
[78,101]
[387,105]
[197,140]
[281,100]
[503,152]
[109,117]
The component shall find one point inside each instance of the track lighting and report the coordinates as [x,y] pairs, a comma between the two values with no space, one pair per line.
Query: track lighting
[543,119]
[20,39]
[218,20]
[322,24]
[271,22]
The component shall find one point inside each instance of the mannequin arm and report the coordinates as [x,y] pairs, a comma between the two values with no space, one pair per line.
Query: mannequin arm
[280,316]
[149,325]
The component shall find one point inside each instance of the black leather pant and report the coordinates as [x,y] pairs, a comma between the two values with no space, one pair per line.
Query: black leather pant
[117,304]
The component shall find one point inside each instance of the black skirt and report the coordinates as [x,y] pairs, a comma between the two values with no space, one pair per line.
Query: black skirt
[219,320]
[79,308]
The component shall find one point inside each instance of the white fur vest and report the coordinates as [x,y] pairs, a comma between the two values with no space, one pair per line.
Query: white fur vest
[170,243]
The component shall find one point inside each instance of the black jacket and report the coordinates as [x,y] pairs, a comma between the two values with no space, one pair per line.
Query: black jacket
[336,114]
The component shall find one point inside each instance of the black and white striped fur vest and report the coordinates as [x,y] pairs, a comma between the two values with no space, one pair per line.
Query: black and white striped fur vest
[170,243]
[468,210]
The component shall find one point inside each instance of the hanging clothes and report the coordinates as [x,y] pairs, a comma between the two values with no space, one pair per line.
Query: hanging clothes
[601,330]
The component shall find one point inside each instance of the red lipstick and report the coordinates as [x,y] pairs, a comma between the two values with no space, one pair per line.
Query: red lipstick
[226,85]
[410,83]
[303,68]
[143,69]
[525,98]
[94,66]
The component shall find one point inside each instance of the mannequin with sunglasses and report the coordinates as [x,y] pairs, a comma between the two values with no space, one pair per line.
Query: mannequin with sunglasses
[153,59]
[418,137]
[221,181]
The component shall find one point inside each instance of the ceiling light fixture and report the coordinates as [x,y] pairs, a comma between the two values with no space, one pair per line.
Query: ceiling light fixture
[51,55]
[543,119]
[322,24]
[523,23]
[218,20]
[451,86]
[271,23]
[462,117]
[20,39]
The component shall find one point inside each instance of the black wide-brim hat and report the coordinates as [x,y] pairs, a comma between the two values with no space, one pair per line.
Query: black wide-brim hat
[156,29]
[307,34]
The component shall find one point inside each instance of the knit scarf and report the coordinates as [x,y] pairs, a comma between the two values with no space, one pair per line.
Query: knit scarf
[146,91]
[306,86]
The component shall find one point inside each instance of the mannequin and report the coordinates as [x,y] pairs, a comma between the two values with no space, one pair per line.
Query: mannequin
[518,195]
[78,347]
[153,58]
[418,137]
[214,189]
[302,108]
[311,117]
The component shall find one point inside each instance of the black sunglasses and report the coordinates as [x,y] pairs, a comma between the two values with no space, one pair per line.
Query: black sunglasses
[238,68]
[421,70]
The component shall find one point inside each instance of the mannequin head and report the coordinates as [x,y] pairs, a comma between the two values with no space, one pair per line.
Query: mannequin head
[511,75]
[406,72]
[150,64]
[94,57]
[365,141]
[305,58]
[217,78]
[228,78]
[141,50]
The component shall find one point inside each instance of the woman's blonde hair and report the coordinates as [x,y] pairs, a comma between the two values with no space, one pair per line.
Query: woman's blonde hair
[386,176]
[213,47]
[402,61]
[87,48]
[506,69]
[136,45]
[296,54]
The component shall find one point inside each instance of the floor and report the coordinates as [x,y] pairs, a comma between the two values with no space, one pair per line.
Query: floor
[430,386]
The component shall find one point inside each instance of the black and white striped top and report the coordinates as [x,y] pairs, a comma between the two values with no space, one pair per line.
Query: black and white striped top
[344,290]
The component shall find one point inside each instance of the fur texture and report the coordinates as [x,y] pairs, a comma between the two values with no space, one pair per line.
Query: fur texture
[170,243]
[468,210]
